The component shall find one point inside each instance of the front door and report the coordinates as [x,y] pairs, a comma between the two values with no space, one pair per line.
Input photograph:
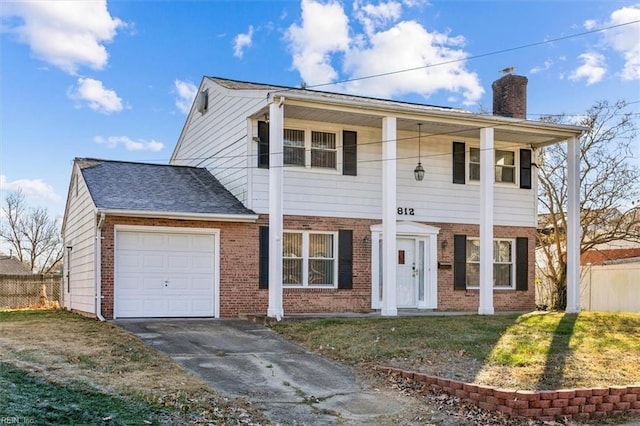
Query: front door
[407,273]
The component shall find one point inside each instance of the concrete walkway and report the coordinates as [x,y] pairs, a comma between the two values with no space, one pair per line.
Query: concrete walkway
[292,386]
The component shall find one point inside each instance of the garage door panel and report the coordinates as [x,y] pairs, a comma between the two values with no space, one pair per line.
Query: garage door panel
[164,274]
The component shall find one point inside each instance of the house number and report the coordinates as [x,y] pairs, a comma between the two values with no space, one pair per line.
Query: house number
[406,211]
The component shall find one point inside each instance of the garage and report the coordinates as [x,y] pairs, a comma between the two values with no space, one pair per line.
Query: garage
[162,272]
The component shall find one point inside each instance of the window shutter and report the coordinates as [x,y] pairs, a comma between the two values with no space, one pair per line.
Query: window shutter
[522,263]
[525,169]
[263,266]
[263,145]
[349,153]
[459,262]
[458,162]
[345,258]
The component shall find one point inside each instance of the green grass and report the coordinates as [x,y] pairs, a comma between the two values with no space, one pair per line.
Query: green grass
[533,351]
[35,401]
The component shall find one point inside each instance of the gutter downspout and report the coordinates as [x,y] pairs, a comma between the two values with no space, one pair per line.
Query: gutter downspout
[98,266]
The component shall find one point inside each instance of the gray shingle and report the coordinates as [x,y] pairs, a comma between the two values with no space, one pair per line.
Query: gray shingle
[117,185]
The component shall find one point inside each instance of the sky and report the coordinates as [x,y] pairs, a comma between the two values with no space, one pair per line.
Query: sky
[115,79]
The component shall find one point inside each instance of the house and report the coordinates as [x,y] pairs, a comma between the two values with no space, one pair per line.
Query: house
[10,265]
[277,200]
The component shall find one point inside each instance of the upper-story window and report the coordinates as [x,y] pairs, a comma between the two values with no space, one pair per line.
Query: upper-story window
[294,148]
[313,149]
[505,165]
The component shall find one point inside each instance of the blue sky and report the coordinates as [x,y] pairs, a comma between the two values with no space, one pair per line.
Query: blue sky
[114,79]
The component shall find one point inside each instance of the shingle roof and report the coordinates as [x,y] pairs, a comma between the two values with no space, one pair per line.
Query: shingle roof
[117,185]
[12,266]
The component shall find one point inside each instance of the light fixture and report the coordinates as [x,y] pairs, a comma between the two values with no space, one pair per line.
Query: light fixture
[418,172]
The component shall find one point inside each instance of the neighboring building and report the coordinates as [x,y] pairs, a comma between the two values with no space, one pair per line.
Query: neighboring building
[10,265]
[277,200]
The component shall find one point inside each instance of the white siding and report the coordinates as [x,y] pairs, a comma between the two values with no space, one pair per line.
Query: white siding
[79,234]
[218,138]
[435,199]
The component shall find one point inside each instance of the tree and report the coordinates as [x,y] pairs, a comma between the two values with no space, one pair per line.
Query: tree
[609,185]
[32,233]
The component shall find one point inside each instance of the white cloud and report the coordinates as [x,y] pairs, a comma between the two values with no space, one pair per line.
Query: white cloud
[590,24]
[386,44]
[186,92]
[242,41]
[373,17]
[129,144]
[592,69]
[31,188]
[324,30]
[626,39]
[66,34]
[547,64]
[97,97]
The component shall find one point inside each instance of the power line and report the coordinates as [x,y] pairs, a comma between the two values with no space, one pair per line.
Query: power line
[481,55]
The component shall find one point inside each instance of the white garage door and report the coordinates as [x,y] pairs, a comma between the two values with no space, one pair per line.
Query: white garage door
[164,274]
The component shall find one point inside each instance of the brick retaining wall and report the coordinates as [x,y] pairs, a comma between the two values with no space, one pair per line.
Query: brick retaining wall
[545,405]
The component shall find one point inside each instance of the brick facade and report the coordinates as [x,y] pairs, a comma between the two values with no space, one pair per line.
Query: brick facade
[239,256]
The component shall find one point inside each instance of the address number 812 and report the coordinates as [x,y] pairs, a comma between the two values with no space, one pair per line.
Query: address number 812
[406,211]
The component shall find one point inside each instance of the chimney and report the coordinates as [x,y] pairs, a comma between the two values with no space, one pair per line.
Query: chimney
[510,96]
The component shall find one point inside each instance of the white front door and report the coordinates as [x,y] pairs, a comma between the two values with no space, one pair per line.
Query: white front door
[407,273]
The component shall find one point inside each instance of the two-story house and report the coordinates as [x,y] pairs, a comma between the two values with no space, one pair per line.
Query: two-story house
[287,200]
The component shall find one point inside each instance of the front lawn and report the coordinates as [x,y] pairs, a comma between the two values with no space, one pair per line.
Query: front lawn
[535,351]
[61,368]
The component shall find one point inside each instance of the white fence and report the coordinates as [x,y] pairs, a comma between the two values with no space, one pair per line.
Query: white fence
[610,288]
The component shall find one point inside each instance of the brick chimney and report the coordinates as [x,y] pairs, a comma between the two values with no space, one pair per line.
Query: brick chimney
[510,96]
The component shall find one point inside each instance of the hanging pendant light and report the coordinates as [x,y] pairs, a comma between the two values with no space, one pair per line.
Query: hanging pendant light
[418,172]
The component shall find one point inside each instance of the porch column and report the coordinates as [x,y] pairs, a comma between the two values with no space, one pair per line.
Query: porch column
[276,172]
[389,304]
[487,178]
[573,225]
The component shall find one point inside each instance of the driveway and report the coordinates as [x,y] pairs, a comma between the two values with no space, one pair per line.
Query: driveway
[291,385]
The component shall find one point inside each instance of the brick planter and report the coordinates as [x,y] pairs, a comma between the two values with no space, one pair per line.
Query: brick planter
[583,403]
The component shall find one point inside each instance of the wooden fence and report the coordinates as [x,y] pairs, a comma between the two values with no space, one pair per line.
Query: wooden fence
[26,290]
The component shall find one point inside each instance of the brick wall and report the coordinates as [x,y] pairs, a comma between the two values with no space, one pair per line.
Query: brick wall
[239,292]
[546,405]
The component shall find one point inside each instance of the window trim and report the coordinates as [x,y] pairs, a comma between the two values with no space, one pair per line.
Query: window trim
[308,148]
[512,285]
[516,167]
[306,258]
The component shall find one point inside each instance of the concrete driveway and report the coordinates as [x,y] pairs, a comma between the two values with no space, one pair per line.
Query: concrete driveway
[292,386]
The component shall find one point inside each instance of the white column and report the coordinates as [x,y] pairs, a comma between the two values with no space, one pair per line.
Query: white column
[573,225]
[389,305]
[487,178]
[276,172]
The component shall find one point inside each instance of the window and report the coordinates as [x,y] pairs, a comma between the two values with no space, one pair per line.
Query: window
[323,150]
[474,163]
[505,166]
[503,265]
[308,259]
[294,147]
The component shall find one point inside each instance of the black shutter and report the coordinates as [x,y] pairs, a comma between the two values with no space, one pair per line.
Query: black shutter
[263,265]
[459,262]
[349,153]
[522,263]
[345,258]
[458,162]
[525,168]
[263,144]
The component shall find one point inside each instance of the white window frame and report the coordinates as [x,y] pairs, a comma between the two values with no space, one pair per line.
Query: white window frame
[512,285]
[308,148]
[516,167]
[306,257]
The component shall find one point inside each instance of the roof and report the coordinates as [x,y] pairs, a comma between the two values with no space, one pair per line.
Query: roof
[127,186]
[12,266]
